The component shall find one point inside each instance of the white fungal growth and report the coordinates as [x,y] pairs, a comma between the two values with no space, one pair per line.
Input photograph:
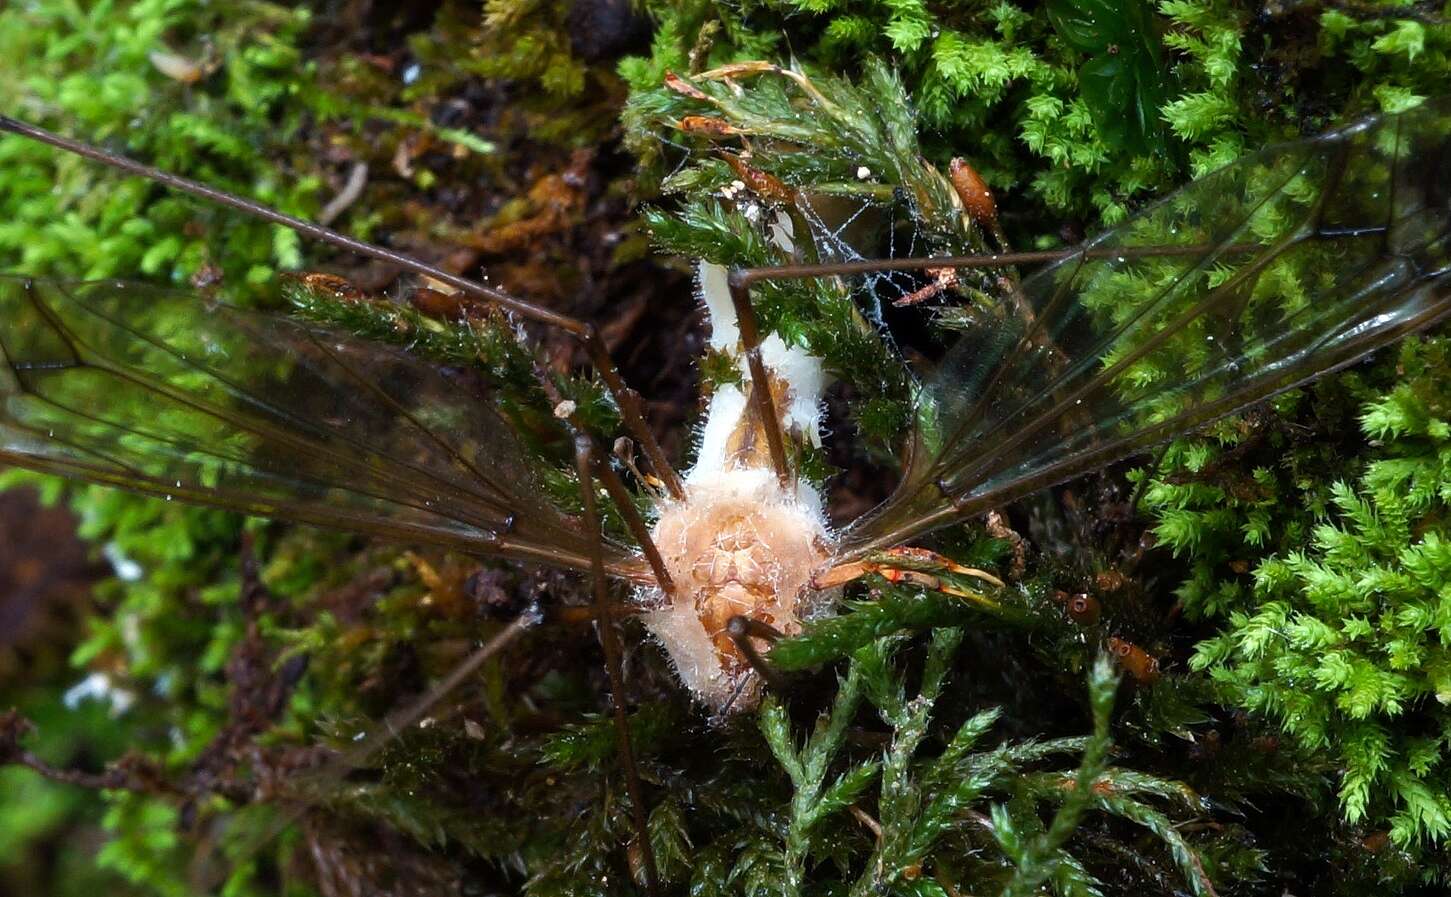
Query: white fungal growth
[800,372]
[740,543]
[737,545]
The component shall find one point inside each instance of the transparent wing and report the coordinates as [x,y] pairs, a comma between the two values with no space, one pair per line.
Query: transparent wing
[1280,267]
[171,394]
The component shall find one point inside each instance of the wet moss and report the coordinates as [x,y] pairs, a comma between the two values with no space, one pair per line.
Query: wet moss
[491,135]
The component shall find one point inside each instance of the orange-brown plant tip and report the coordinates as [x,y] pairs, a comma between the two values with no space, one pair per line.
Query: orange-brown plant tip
[765,185]
[976,198]
[341,288]
[705,124]
[681,86]
[435,304]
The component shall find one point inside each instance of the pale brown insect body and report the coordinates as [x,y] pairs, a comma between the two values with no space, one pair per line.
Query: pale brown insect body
[741,543]
[738,546]
[1276,269]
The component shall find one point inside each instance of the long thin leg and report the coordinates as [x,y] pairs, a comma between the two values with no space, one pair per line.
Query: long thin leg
[760,385]
[741,630]
[626,506]
[618,493]
[205,879]
[629,402]
[624,397]
[913,566]
[895,561]
[399,720]
[748,277]
[740,281]
[610,640]
[590,614]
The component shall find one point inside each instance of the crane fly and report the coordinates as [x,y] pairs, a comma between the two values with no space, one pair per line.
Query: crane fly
[1280,267]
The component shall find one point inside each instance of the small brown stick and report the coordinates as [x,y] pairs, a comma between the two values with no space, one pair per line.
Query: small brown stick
[997,527]
[609,640]
[574,615]
[130,773]
[405,716]
[867,821]
[352,190]
[943,279]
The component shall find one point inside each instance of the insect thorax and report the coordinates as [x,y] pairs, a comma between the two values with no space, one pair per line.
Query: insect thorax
[739,544]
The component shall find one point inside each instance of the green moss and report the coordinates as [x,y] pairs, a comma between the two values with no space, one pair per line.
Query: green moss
[1312,563]
[1338,628]
[87,70]
[1012,89]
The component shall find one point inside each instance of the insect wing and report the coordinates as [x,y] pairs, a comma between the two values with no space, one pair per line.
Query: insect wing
[167,393]
[1280,267]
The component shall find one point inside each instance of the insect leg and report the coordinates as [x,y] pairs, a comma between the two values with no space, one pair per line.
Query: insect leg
[742,630]
[740,288]
[306,228]
[902,560]
[914,566]
[609,639]
[206,878]
[573,615]
[741,279]
[600,467]
[629,402]
[621,497]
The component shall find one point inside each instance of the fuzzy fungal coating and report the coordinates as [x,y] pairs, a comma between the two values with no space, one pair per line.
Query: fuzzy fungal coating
[740,543]
[737,544]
